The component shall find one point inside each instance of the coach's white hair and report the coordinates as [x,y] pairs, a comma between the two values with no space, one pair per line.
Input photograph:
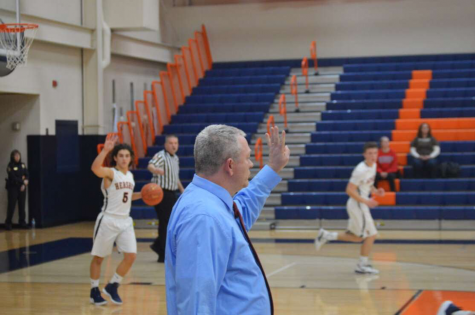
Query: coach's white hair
[214,145]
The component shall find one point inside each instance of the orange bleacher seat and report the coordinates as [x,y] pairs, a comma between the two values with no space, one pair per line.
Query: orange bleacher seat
[419,84]
[440,135]
[409,114]
[436,123]
[413,103]
[389,199]
[385,185]
[416,94]
[402,159]
[422,75]
[400,147]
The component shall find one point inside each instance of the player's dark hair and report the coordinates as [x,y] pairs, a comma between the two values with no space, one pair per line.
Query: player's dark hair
[169,136]
[369,145]
[419,132]
[115,152]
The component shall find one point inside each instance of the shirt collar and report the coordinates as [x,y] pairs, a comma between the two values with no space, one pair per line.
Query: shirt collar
[215,189]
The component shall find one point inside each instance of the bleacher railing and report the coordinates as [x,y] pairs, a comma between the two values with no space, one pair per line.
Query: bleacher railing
[294,91]
[305,73]
[283,109]
[313,55]
[258,152]
[270,121]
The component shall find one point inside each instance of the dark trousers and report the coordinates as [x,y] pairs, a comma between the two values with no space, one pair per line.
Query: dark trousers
[390,178]
[425,169]
[164,210]
[14,195]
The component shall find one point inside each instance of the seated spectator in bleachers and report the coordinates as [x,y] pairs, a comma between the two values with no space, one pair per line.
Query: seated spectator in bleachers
[387,164]
[425,149]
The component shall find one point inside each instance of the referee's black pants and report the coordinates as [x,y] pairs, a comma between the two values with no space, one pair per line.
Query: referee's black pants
[164,210]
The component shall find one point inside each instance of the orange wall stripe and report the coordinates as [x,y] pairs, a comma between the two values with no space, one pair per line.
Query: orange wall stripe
[409,114]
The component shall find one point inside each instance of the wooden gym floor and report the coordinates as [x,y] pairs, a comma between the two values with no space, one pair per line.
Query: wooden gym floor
[46,271]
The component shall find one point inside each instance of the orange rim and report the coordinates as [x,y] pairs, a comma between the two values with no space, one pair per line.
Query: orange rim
[17,27]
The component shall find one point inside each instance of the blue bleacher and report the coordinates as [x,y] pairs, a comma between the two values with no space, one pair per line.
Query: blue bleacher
[218,118]
[405,75]
[196,128]
[230,98]
[357,147]
[247,72]
[266,79]
[407,66]
[237,89]
[376,114]
[400,94]
[356,125]
[458,102]
[225,108]
[347,136]
[379,213]
[404,84]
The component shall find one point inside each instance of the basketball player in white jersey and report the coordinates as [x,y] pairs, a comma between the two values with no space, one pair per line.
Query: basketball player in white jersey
[361,227]
[114,223]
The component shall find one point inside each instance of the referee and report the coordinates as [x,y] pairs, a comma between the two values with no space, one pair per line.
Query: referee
[165,167]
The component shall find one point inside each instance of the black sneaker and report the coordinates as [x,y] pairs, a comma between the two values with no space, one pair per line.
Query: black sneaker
[8,226]
[96,297]
[111,291]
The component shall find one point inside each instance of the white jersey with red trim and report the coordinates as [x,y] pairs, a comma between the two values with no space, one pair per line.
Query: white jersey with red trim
[118,197]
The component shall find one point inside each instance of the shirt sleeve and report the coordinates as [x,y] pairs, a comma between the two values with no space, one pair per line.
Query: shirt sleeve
[251,199]
[356,177]
[157,161]
[203,248]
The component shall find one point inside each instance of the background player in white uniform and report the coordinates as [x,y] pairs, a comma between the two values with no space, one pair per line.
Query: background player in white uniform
[114,223]
[361,226]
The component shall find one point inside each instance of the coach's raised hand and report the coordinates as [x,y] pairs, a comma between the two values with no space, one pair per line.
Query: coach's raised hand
[279,153]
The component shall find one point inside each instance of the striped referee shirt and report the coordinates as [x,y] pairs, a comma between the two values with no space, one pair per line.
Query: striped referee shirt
[171,165]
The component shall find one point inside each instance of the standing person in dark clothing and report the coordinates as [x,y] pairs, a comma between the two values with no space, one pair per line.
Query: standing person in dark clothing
[165,167]
[425,149]
[16,185]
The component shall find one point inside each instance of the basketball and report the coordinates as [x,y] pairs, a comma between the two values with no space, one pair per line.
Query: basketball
[152,194]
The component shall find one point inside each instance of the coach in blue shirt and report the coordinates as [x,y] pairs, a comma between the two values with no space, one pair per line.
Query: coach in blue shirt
[210,265]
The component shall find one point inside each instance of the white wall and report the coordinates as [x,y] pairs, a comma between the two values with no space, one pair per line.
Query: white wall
[124,71]
[341,28]
[24,109]
[48,62]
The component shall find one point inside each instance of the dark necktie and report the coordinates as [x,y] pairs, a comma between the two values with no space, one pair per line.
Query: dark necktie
[237,214]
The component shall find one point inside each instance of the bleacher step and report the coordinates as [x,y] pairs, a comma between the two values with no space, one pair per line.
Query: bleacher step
[286,173]
[292,127]
[306,97]
[273,200]
[303,107]
[290,138]
[313,88]
[295,117]
[321,71]
[315,79]
[295,149]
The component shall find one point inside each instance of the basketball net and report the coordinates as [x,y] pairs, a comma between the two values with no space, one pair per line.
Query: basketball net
[16,39]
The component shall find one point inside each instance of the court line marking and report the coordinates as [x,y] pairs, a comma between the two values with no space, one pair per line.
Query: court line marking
[281,269]
[408,303]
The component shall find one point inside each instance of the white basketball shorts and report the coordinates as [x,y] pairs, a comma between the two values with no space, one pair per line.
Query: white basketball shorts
[360,221]
[112,228]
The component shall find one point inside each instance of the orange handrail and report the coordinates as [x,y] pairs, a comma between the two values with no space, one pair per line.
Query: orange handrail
[208,49]
[270,121]
[164,74]
[132,140]
[186,80]
[201,54]
[192,74]
[283,109]
[149,115]
[157,106]
[142,136]
[174,67]
[305,72]
[294,90]
[142,132]
[198,68]
[313,54]
[100,147]
[258,148]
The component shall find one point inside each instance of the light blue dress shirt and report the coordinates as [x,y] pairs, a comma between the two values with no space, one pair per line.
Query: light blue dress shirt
[209,266]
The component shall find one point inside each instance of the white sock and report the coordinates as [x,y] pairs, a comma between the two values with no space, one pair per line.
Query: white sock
[462,313]
[94,283]
[116,278]
[332,236]
[363,260]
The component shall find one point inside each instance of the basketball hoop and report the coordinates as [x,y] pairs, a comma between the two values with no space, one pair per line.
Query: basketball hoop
[16,39]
